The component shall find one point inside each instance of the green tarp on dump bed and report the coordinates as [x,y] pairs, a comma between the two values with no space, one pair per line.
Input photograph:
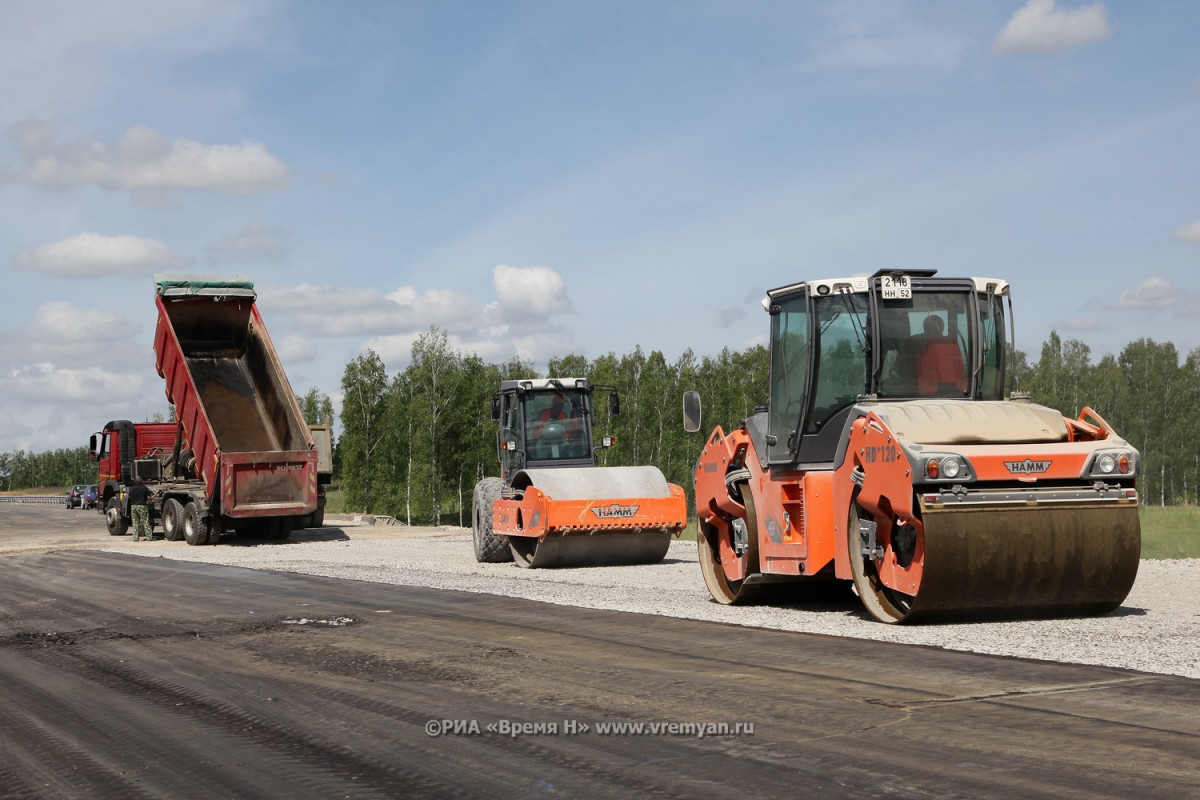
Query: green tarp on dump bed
[203,285]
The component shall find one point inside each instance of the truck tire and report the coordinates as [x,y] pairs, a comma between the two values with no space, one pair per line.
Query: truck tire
[196,526]
[172,519]
[285,528]
[489,547]
[265,528]
[117,524]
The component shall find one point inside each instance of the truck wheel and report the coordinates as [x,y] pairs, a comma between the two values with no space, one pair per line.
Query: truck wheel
[117,524]
[265,528]
[195,525]
[285,528]
[318,518]
[172,519]
[489,547]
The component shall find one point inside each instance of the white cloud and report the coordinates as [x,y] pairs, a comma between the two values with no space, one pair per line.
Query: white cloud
[93,255]
[1039,27]
[61,322]
[526,297]
[255,243]
[516,322]
[143,161]
[296,349]
[45,382]
[1157,294]
[1189,233]
[357,312]
[443,307]
[529,292]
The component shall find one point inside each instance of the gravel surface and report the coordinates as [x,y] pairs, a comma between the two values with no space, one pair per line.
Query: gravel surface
[1157,629]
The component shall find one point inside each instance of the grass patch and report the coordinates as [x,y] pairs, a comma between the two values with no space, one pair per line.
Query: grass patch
[335,501]
[1170,531]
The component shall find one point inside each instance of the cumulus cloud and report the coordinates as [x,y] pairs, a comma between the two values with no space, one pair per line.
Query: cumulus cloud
[255,243]
[1157,294]
[141,160]
[93,255]
[524,292]
[518,321]
[526,297]
[1042,28]
[1189,233]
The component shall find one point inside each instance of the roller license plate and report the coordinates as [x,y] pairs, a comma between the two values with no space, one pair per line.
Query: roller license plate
[895,287]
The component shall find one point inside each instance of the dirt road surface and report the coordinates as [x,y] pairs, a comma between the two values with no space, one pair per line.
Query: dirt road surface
[124,677]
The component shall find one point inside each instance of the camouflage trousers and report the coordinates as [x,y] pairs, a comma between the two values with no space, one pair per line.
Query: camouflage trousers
[141,522]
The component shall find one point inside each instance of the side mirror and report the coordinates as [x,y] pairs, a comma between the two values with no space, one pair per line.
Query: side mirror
[614,405]
[691,411]
[495,409]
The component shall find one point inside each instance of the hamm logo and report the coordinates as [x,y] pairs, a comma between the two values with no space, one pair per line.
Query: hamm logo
[1027,467]
[614,511]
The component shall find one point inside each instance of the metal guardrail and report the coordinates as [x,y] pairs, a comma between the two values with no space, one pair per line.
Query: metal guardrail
[40,499]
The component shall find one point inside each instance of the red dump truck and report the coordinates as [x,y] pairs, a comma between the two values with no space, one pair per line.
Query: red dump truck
[239,456]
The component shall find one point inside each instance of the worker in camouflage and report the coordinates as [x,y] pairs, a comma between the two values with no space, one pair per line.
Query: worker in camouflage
[139,509]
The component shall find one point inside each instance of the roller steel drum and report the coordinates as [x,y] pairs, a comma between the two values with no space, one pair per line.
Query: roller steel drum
[584,548]
[1017,562]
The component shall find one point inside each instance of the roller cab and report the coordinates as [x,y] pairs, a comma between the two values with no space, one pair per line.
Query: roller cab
[890,457]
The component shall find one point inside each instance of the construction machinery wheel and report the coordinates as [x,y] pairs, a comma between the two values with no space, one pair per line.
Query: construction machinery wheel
[490,547]
[172,519]
[720,586]
[196,526]
[883,603]
[117,524]
[1041,560]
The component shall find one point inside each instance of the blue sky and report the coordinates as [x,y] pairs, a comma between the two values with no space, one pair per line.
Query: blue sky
[544,178]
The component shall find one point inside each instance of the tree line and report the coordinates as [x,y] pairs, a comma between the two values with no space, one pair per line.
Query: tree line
[412,445]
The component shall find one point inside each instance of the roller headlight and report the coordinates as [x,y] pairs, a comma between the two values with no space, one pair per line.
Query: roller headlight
[1114,464]
[947,467]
